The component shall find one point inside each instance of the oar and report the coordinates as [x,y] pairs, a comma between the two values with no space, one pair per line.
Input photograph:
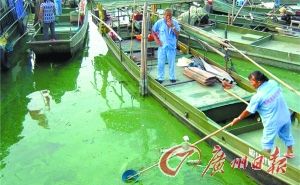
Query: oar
[133,175]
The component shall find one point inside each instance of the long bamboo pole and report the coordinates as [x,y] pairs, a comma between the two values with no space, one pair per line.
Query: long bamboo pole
[232,11]
[229,46]
[201,32]
[238,12]
[236,96]
[266,71]
[195,143]
[143,68]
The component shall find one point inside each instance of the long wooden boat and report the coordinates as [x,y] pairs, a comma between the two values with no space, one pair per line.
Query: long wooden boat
[268,48]
[224,7]
[70,31]
[200,107]
[282,2]
[256,8]
[256,23]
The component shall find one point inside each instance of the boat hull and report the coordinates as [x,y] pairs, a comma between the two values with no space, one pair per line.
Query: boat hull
[68,42]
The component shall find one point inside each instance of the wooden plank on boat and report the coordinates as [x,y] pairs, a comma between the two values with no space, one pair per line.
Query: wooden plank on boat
[200,76]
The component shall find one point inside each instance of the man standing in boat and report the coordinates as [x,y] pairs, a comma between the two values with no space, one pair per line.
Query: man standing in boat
[273,110]
[47,17]
[165,33]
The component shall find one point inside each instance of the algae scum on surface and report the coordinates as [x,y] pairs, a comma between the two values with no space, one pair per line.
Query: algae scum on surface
[98,126]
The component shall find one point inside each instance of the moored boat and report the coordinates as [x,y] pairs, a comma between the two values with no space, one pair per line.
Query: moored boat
[200,107]
[70,32]
[271,49]
[269,22]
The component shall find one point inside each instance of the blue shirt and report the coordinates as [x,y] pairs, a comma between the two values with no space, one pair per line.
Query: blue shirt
[269,103]
[49,11]
[166,35]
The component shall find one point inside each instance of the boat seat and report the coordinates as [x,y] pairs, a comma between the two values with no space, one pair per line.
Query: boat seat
[59,36]
[251,37]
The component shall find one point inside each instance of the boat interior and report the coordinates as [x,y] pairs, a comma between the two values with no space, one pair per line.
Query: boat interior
[66,25]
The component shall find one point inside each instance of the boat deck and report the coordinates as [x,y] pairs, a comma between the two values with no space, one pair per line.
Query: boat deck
[202,97]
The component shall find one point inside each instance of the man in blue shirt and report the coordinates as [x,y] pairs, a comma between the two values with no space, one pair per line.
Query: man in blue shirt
[165,33]
[273,110]
[47,16]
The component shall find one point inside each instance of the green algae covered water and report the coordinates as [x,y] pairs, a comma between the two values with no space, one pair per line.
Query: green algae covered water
[90,127]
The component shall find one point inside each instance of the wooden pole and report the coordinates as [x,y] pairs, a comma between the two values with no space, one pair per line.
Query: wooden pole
[236,96]
[211,47]
[131,34]
[197,142]
[229,46]
[212,134]
[202,32]
[238,12]
[232,11]
[143,68]
[266,71]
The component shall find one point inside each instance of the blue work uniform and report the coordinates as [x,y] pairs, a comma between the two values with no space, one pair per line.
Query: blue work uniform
[166,52]
[273,110]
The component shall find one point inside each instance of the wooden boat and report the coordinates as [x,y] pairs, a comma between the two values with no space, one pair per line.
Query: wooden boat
[12,28]
[272,49]
[265,14]
[289,30]
[223,7]
[272,23]
[200,107]
[70,32]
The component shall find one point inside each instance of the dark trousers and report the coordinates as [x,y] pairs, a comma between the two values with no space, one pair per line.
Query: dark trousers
[46,27]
